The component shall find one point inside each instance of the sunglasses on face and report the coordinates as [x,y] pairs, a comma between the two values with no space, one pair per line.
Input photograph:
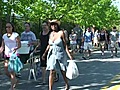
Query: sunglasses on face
[8,26]
[27,26]
[44,25]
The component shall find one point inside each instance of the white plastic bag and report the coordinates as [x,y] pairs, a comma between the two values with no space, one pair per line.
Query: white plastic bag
[72,70]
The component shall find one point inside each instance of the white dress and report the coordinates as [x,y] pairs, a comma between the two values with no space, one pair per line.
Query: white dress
[56,55]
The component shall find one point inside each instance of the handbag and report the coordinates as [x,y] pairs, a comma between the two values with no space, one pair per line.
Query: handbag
[72,70]
[14,64]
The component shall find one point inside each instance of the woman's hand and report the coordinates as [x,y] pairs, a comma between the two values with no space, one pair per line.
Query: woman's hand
[71,58]
[43,57]
[15,49]
[1,50]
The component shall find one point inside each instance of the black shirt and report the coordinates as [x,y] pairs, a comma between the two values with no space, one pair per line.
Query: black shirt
[102,36]
[44,42]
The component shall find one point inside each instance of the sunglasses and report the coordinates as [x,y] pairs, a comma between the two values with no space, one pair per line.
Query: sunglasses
[53,23]
[27,26]
[8,26]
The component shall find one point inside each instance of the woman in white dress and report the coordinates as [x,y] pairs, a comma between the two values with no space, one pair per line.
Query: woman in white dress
[57,51]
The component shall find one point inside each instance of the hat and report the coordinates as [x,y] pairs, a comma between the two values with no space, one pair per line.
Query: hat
[54,21]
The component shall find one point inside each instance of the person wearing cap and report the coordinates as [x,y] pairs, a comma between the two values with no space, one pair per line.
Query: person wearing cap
[113,41]
[56,51]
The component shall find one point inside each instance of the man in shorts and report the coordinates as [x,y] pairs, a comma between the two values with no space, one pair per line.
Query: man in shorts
[73,41]
[114,35]
[102,37]
[88,40]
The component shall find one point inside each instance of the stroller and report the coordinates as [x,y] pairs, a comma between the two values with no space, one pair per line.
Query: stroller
[34,59]
[34,62]
[35,69]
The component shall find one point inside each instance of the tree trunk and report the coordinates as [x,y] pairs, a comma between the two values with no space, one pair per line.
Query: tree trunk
[0,25]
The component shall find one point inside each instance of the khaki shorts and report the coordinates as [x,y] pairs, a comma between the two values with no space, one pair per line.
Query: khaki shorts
[113,44]
[88,46]
[102,43]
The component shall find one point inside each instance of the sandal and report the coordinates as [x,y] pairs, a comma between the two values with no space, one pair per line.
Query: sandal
[67,87]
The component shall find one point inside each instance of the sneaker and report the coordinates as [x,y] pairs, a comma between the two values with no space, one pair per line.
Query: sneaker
[84,58]
[43,83]
[111,56]
[18,75]
[115,55]
[88,55]
[102,54]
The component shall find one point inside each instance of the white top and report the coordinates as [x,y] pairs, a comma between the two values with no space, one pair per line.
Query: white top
[10,43]
[114,35]
[73,38]
[28,36]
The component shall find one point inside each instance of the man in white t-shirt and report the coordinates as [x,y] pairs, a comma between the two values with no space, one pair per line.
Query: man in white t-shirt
[88,40]
[29,36]
[114,35]
[73,41]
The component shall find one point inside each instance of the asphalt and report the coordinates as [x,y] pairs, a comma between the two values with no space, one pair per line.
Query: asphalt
[96,73]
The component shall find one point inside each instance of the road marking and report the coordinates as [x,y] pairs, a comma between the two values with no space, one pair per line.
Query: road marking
[113,84]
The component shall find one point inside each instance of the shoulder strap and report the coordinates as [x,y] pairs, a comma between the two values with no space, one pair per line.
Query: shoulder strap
[91,35]
[84,33]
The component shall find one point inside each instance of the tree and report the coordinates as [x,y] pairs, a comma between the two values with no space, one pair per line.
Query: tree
[83,12]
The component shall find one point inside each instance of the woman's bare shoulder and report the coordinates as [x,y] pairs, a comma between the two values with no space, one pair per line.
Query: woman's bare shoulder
[61,32]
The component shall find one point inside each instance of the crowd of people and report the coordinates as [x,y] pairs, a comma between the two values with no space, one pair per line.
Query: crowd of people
[56,46]
[94,38]
[53,50]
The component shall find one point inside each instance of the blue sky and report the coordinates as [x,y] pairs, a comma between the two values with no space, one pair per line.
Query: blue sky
[116,3]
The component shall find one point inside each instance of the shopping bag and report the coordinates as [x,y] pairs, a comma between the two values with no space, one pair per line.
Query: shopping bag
[72,70]
[14,63]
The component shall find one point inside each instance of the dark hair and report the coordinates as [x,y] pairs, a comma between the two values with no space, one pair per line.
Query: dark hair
[46,22]
[54,23]
[13,28]
[114,27]
[27,23]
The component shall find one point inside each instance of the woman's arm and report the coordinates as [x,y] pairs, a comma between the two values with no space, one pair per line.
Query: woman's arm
[18,43]
[65,45]
[38,45]
[43,56]
[2,46]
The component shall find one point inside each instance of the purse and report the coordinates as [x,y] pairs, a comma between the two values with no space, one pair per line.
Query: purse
[14,64]
[72,70]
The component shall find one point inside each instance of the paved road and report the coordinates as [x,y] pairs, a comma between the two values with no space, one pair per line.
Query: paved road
[95,73]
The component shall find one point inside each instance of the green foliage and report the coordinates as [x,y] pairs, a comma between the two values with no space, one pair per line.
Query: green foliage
[83,12]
